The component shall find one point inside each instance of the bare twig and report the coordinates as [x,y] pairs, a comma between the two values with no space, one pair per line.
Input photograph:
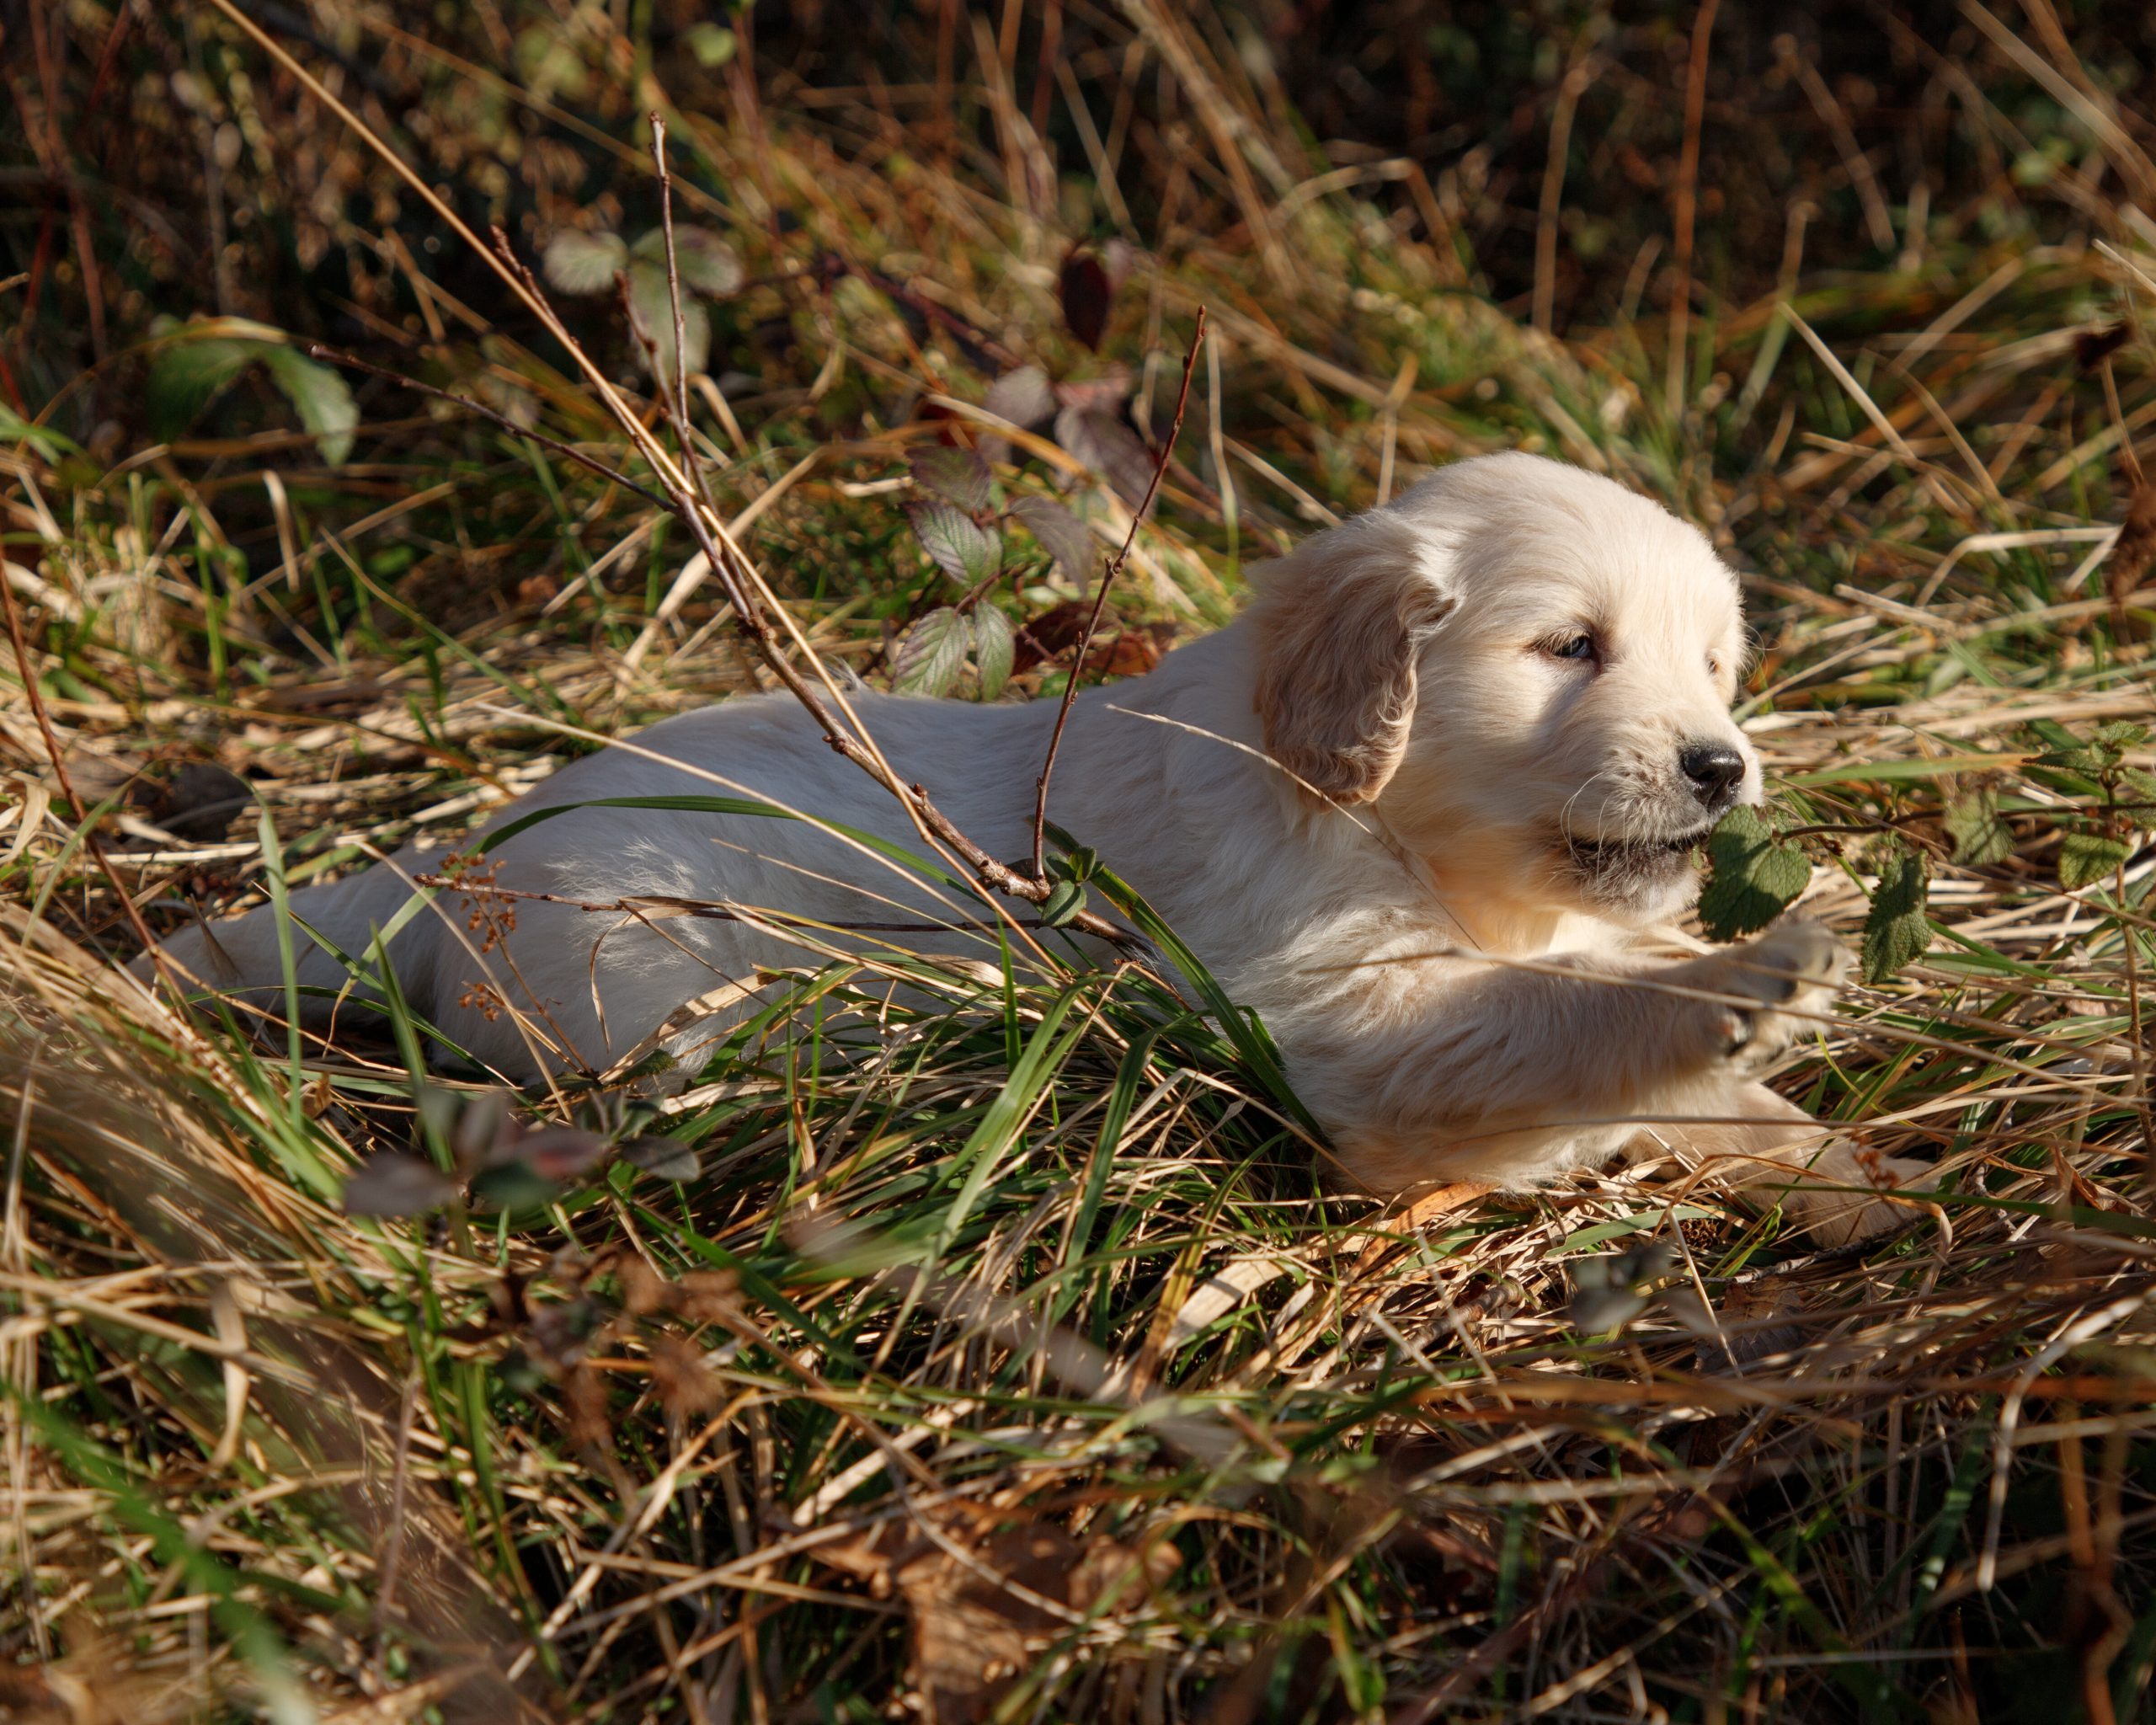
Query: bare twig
[1100,601]
[699,910]
[1688,185]
[330,355]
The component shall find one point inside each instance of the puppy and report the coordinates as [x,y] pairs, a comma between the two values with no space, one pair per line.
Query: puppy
[1419,808]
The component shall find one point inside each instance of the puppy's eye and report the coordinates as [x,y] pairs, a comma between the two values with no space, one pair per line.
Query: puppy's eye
[1577,644]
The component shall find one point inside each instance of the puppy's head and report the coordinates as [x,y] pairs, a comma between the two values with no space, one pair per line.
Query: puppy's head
[1528,671]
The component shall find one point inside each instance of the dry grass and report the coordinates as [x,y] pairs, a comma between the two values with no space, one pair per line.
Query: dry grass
[1026,1371]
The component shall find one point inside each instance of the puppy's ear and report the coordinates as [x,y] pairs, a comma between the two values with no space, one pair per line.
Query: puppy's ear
[1340,623]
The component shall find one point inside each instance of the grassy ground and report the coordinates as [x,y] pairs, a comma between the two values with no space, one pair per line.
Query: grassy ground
[1025,1370]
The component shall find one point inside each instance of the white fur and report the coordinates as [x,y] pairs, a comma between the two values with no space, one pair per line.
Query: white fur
[1455,1000]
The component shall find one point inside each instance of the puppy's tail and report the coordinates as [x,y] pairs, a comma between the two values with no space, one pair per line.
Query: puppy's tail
[242,956]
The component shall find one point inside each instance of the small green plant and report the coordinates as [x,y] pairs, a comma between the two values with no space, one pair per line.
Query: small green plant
[193,364]
[961,528]
[2097,803]
[709,269]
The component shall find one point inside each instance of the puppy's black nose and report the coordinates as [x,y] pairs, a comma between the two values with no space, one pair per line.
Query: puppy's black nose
[1714,769]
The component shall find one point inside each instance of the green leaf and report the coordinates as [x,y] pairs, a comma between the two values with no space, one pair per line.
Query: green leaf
[957,476]
[965,552]
[994,649]
[1897,932]
[323,398]
[2141,786]
[1062,536]
[706,263]
[1752,876]
[2118,736]
[584,263]
[2085,762]
[188,374]
[713,45]
[1066,899]
[1981,838]
[2088,858]
[651,309]
[932,654]
[49,444]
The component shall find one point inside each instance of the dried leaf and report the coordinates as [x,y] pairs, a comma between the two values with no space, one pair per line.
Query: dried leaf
[1752,876]
[964,550]
[2134,550]
[1062,536]
[1897,932]
[584,263]
[686,1385]
[396,1184]
[1087,295]
[994,647]
[957,476]
[934,651]
[975,1626]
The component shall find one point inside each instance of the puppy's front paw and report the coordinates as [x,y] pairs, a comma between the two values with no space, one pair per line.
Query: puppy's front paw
[1779,985]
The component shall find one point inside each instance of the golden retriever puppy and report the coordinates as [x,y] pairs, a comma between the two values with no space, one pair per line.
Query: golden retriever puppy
[1420,808]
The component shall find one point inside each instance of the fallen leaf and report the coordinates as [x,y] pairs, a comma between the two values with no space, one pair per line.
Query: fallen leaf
[979,1621]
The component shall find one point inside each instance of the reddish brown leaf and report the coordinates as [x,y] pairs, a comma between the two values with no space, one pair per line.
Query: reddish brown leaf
[2135,549]
[2092,347]
[1087,295]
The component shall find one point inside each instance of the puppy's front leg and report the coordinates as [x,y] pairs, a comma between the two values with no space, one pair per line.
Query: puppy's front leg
[1512,1075]
[1754,1138]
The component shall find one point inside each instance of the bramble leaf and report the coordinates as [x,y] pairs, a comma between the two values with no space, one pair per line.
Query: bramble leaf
[994,648]
[1981,835]
[1062,536]
[966,551]
[1752,876]
[322,399]
[1065,900]
[1897,932]
[2088,858]
[706,263]
[1024,396]
[932,654]
[584,263]
[957,476]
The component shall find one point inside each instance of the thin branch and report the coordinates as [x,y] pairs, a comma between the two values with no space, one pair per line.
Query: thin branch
[697,910]
[1100,602]
[330,355]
